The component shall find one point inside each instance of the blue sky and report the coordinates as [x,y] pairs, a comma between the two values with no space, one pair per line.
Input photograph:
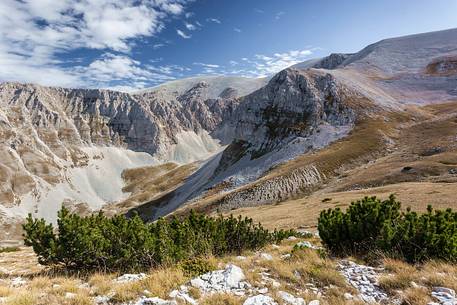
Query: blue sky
[132,44]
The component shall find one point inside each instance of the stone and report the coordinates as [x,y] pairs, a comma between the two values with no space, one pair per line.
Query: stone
[305,244]
[266,256]
[154,301]
[17,282]
[290,299]
[348,296]
[364,279]
[70,295]
[445,296]
[263,290]
[314,302]
[126,278]
[260,300]
[101,299]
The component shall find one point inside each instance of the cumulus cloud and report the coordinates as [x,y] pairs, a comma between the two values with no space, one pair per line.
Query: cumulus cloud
[237,30]
[183,35]
[33,32]
[263,65]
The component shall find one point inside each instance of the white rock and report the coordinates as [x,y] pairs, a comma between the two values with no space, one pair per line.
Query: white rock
[291,238]
[260,300]
[263,290]
[125,278]
[241,258]
[290,299]
[286,256]
[275,283]
[314,302]
[197,283]
[444,290]
[306,244]
[266,256]
[101,299]
[348,296]
[275,246]
[186,298]
[18,281]
[70,295]
[154,301]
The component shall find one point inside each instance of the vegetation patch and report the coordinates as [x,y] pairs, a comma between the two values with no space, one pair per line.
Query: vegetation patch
[371,224]
[118,243]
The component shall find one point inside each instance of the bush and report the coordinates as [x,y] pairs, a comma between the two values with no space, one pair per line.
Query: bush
[196,266]
[371,224]
[119,243]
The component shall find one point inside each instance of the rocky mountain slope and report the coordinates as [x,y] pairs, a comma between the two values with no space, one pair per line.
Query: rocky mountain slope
[262,140]
[283,133]
[71,146]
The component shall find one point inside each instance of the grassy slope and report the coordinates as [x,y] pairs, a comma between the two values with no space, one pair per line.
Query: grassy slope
[370,161]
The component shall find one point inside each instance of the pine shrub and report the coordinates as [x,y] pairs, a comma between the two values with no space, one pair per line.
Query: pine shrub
[371,224]
[120,243]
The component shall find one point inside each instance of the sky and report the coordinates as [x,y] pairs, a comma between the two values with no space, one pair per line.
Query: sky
[133,44]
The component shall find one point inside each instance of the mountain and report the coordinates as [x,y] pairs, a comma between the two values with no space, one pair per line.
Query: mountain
[71,145]
[314,121]
[235,142]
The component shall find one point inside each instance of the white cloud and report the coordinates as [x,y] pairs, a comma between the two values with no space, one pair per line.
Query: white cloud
[215,20]
[183,35]
[263,65]
[158,46]
[190,26]
[32,32]
[279,15]
[206,65]
[237,30]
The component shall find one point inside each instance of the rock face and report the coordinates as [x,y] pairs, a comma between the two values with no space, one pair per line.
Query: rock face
[296,112]
[70,146]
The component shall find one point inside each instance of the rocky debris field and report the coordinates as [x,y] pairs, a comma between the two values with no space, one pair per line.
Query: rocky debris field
[364,279]
[293,273]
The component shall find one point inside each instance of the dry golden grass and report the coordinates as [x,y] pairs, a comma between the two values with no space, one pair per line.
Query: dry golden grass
[146,183]
[23,298]
[195,293]
[416,281]
[162,281]
[367,162]
[416,296]
[306,210]
[221,299]
[5,291]
[101,283]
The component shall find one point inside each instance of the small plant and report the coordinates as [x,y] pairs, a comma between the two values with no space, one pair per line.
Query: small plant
[371,224]
[197,266]
[9,249]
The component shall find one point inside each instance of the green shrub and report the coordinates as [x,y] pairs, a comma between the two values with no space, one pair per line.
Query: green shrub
[119,243]
[196,266]
[371,224]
